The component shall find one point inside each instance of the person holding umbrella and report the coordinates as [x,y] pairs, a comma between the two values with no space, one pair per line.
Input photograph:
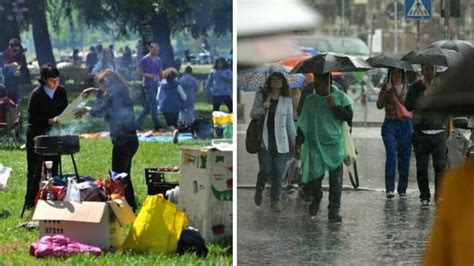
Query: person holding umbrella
[321,139]
[274,105]
[429,135]
[396,132]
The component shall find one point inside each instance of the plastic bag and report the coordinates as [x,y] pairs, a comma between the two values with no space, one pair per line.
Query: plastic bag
[349,150]
[157,228]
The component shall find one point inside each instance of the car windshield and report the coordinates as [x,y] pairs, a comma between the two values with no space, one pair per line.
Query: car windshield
[349,46]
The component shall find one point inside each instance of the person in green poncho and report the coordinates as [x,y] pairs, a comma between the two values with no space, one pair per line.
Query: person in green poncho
[320,142]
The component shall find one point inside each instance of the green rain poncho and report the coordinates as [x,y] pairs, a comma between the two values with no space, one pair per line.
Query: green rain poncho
[323,147]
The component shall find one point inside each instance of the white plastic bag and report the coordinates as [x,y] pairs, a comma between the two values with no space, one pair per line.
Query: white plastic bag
[73,192]
[4,175]
[349,150]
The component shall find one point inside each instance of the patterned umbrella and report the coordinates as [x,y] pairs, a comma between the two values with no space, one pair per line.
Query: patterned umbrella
[252,80]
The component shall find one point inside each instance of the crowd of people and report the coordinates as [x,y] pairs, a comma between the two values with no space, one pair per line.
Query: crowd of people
[291,129]
[165,90]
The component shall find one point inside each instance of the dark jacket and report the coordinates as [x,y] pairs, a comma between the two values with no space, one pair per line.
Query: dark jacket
[41,108]
[117,109]
[422,122]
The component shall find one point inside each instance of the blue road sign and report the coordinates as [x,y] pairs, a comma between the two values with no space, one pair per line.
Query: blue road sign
[418,9]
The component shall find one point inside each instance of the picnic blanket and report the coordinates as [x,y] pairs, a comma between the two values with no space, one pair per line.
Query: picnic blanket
[149,136]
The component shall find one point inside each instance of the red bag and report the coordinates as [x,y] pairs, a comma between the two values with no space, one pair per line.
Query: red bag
[401,111]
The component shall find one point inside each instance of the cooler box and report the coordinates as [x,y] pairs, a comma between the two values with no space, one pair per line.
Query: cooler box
[206,190]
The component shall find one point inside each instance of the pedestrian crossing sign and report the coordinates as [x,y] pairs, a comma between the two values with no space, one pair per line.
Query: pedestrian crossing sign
[418,9]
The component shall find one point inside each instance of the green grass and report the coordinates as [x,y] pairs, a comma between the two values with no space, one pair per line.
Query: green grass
[94,160]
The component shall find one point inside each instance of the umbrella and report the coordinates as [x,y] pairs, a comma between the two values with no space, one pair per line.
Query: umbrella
[434,56]
[456,93]
[328,62]
[252,80]
[463,47]
[389,60]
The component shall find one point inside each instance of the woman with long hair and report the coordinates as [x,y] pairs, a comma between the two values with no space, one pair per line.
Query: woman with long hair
[114,104]
[396,132]
[275,107]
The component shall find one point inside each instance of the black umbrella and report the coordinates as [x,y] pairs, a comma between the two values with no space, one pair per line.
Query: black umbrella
[389,60]
[329,62]
[463,47]
[456,93]
[433,56]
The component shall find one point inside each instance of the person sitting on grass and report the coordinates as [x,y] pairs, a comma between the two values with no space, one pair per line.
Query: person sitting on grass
[5,102]
[171,98]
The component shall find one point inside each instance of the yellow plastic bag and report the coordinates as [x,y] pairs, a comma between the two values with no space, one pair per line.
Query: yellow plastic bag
[157,227]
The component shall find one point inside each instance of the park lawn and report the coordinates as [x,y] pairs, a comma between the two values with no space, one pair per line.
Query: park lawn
[94,159]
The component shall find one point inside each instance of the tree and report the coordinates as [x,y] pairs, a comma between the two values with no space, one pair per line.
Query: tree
[156,20]
[44,51]
[10,27]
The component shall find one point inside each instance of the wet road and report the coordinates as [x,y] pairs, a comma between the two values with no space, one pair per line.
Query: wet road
[374,231]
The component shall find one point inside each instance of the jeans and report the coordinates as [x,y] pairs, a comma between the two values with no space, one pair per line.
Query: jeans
[218,100]
[171,119]
[272,164]
[151,106]
[424,145]
[335,189]
[122,154]
[397,135]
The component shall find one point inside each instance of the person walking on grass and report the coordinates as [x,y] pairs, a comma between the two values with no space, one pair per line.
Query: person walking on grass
[396,133]
[274,105]
[219,85]
[150,68]
[320,141]
[429,135]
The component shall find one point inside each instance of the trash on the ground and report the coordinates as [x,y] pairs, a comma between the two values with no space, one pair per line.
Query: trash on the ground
[156,183]
[92,223]
[157,228]
[4,175]
[60,246]
[206,190]
[191,241]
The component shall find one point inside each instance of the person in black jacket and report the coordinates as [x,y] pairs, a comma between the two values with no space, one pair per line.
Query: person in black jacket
[47,102]
[114,104]
[429,135]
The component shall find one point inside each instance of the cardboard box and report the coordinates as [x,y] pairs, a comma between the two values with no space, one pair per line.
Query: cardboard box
[206,190]
[93,223]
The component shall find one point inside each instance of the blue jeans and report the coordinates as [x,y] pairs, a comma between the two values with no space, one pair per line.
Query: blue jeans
[151,106]
[397,135]
[272,164]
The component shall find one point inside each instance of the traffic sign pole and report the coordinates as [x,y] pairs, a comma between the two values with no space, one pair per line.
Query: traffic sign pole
[417,35]
[447,14]
[396,29]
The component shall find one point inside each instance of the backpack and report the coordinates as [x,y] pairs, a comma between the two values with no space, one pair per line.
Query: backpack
[191,241]
[202,128]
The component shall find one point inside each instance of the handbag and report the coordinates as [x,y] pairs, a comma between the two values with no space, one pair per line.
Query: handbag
[254,136]
[401,111]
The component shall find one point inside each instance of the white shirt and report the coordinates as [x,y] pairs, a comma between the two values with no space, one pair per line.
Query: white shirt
[49,91]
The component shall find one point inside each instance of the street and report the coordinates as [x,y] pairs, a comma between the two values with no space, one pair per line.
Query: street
[374,231]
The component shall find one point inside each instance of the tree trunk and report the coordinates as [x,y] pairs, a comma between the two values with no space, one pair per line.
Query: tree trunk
[162,35]
[44,51]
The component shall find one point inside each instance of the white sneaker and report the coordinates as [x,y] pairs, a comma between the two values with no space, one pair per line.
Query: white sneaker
[425,203]
[175,136]
[390,195]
